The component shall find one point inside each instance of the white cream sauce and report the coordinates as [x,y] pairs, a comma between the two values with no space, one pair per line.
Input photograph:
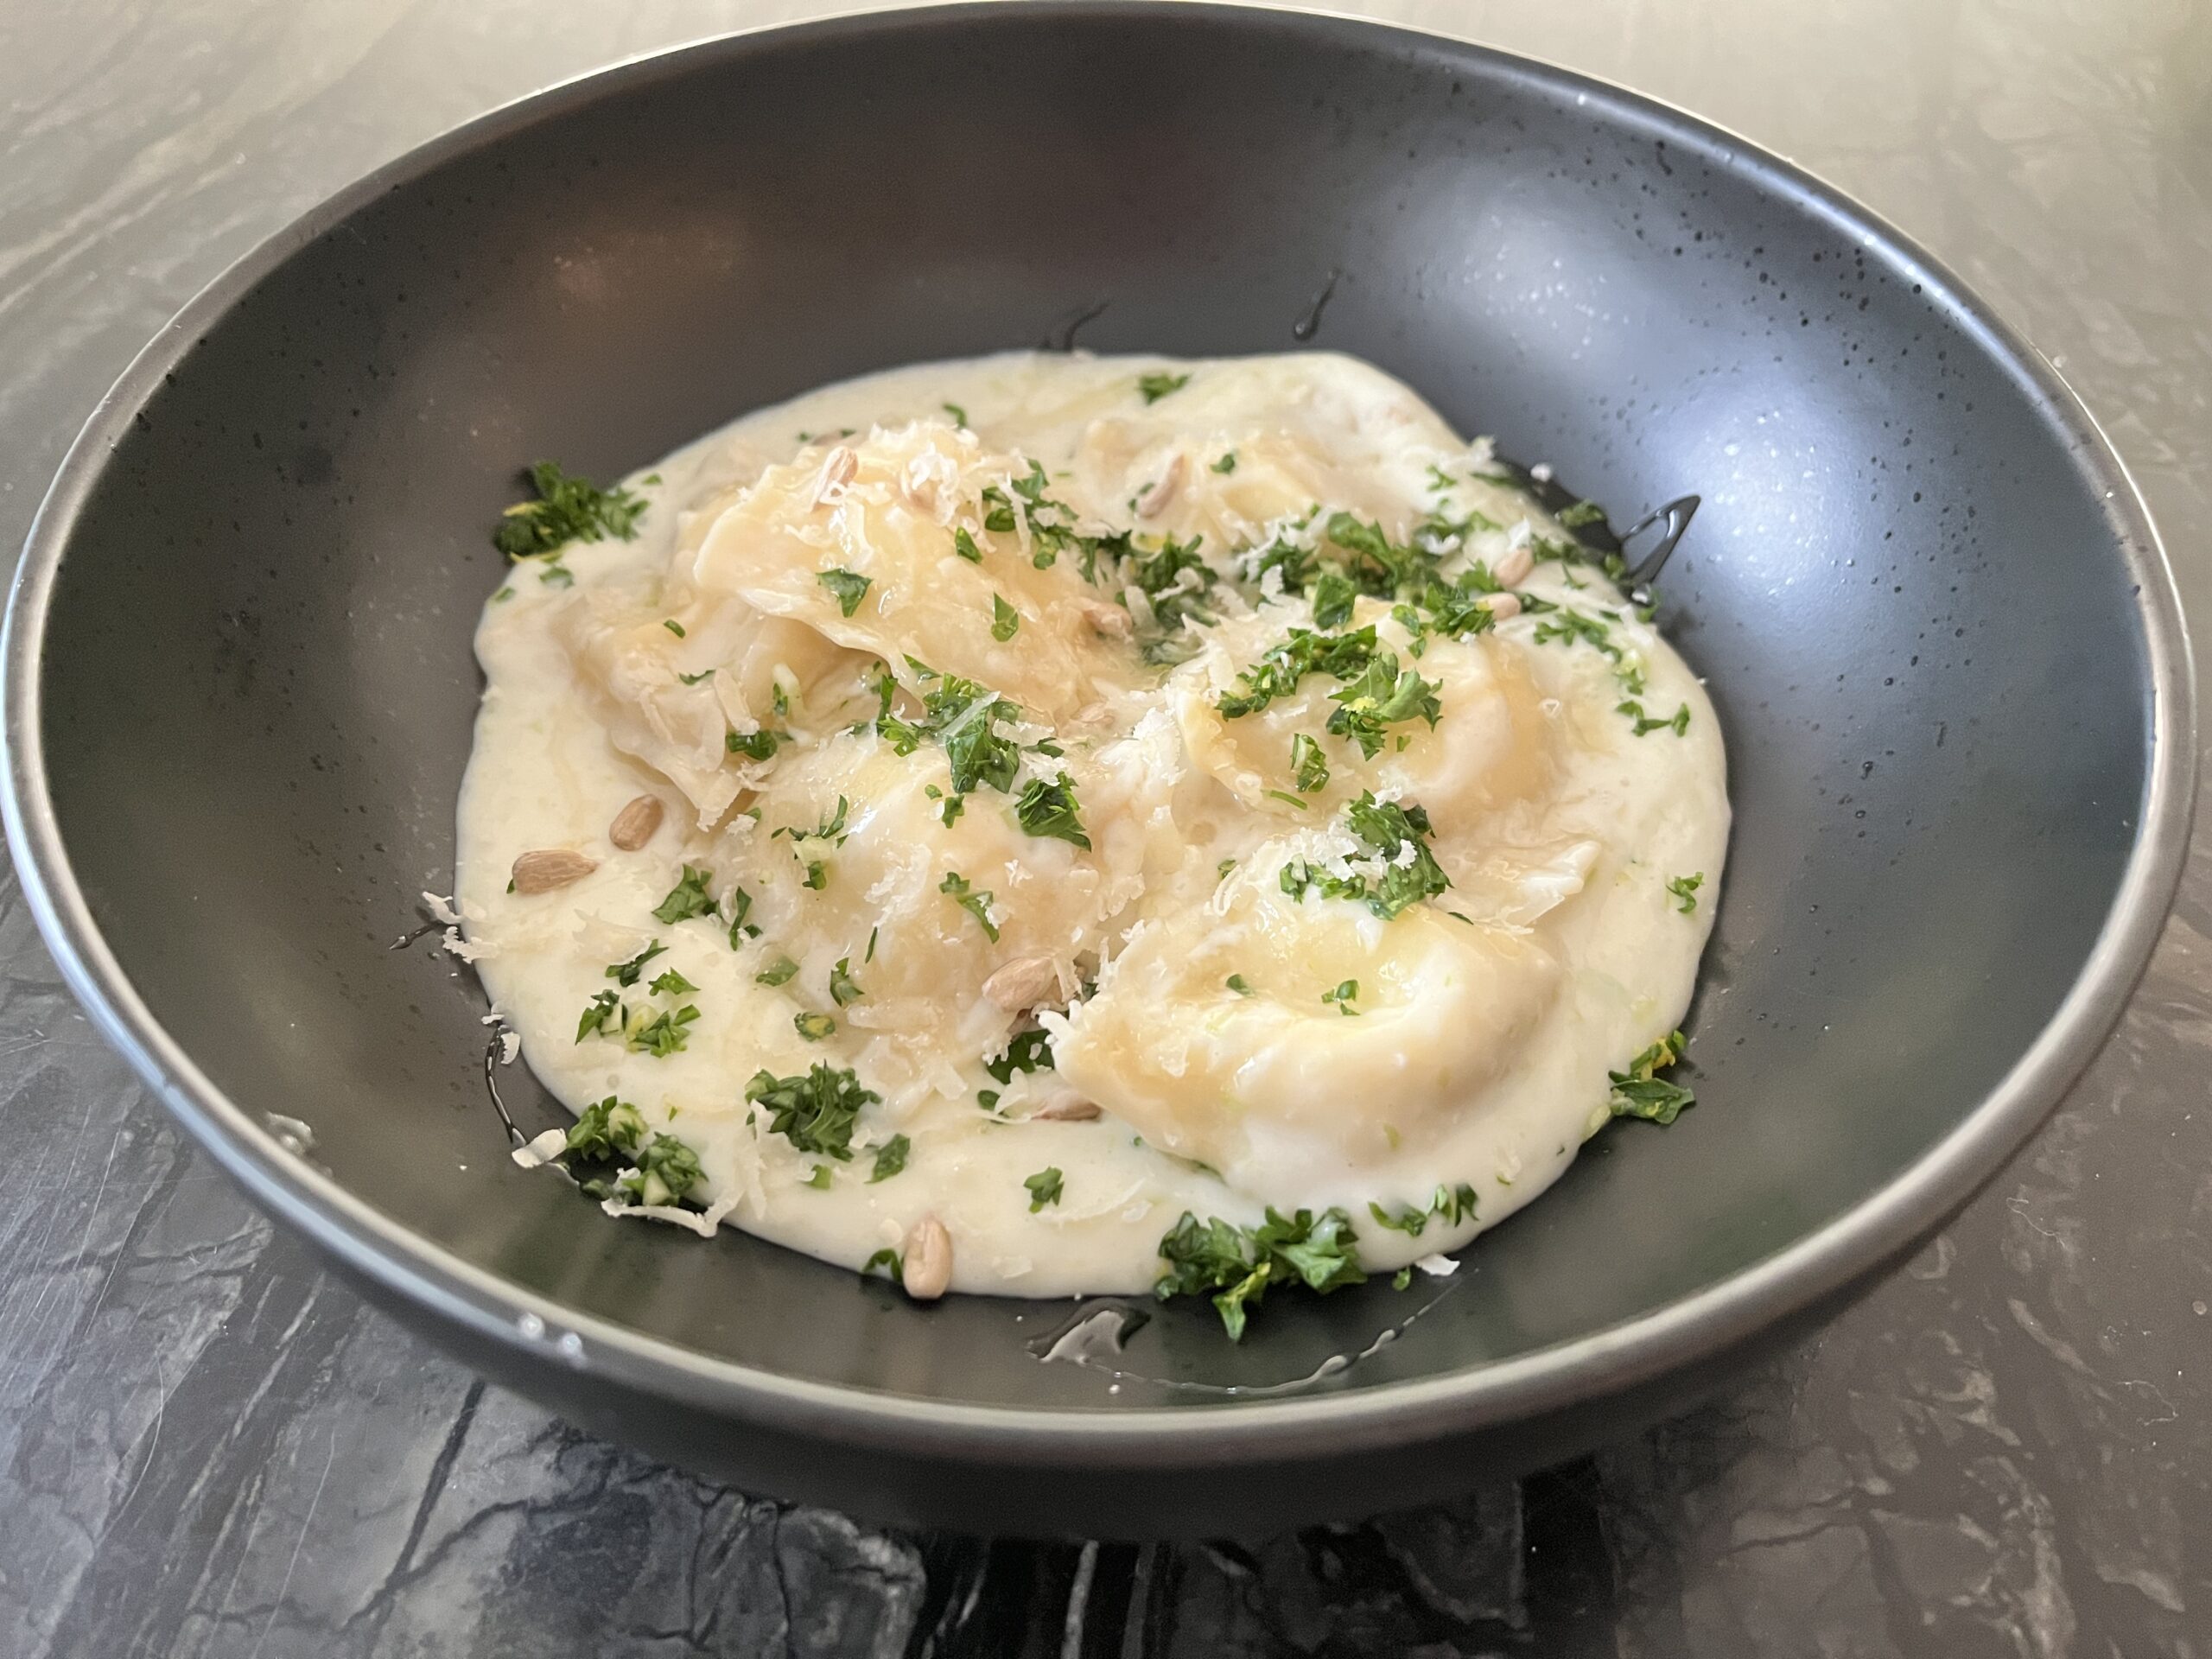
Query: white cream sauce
[1487,1018]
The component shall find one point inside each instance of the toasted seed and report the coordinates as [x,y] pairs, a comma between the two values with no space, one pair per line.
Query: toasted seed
[1513,570]
[1112,621]
[1156,501]
[837,471]
[1022,983]
[1505,607]
[551,867]
[1066,1108]
[926,1268]
[634,824]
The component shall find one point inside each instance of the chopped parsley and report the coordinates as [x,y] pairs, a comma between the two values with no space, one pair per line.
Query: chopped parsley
[1156,387]
[1415,625]
[889,1261]
[843,991]
[598,1011]
[610,1133]
[1385,828]
[1452,1205]
[1641,1092]
[1545,550]
[1239,1263]
[667,1171]
[819,1178]
[975,903]
[1006,621]
[1332,595]
[847,588]
[815,1112]
[1581,513]
[890,1156]
[694,679]
[1043,1188]
[959,415]
[1439,531]
[1684,888]
[1177,580]
[1379,566]
[687,898]
[1310,766]
[1341,656]
[1051,523]
[1050,809]
[626,972]
[671,983]
[1239,984]
[568,508]
[741,906]
[963,716]
[1678,722]
[1025,1051]
[814,1026]
[1293,564]
[605,1129]
[672,626]
[1344,997]
[1409,1221]
[663,1035]
[779,972]
[1289,799]
[1382,696]
[754,746]
[964,545]
[1463,609]
[831,829]
[1227,463]
[817,874]
[1571,624]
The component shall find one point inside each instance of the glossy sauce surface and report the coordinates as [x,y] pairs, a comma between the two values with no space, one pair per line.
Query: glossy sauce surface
[816,608]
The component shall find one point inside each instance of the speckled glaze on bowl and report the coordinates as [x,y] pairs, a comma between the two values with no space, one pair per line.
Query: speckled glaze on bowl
[1933,613]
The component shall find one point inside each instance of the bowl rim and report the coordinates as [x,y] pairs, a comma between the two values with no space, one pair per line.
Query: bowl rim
[1673,1336]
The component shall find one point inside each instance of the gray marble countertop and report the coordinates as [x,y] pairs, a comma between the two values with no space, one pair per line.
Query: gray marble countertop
[207,1446]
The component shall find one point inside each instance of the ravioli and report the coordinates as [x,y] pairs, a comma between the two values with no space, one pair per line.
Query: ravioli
[1224,1034]
[1050,824]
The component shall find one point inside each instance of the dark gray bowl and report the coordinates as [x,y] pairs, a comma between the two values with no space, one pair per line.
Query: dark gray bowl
[1935,617]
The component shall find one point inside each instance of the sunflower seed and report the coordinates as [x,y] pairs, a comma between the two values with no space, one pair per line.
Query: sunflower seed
[551,868]
[926,1268]
[634,824]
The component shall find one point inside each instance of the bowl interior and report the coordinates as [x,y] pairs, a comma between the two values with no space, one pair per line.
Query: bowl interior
[1903,586]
